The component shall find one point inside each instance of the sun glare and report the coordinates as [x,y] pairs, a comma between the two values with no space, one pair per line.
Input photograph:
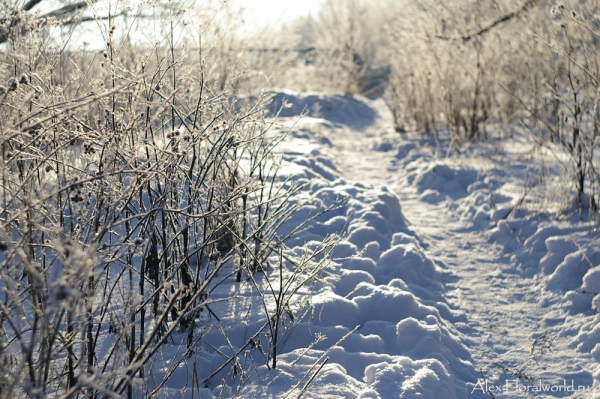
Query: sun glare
[262,13]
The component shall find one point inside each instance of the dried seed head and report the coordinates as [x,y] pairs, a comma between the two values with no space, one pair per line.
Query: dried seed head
[12,84]
[2,89]
[77,197]
[88,148]
[24,79]
[62,293]
[174,133]
[557,10]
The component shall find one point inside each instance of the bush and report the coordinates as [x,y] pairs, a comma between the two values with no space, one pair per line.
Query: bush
[131,179]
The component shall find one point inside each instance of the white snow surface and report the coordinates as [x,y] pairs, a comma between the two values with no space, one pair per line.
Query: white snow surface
[446,283]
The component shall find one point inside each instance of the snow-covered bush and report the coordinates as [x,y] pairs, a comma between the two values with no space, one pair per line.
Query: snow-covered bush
[473,66]
[132,185]
[477,70]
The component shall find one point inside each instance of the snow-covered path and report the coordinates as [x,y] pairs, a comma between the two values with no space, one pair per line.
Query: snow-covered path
[446,284]
[519,336]
[509,328]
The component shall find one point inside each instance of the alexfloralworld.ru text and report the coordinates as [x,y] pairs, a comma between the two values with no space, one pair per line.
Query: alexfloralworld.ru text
[540,386]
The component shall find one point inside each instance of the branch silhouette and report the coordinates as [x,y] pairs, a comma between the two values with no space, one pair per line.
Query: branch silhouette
[493,24]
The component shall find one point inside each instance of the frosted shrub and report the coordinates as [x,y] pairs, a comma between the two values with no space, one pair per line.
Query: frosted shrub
[471,66]
[130,180]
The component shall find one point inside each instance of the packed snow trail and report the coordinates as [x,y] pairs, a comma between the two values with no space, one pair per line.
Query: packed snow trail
[519,336]
[445,285]
[379,325]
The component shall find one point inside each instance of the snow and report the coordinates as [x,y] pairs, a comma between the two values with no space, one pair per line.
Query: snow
[445,281]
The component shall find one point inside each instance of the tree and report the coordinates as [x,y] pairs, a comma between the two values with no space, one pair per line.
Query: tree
[343,34]
[19,20]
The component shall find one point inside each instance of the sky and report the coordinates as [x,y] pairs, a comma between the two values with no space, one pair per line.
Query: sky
[257,14]
[260,13]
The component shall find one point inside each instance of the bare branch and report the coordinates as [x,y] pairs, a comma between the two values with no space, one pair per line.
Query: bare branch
[62,13]
[66,10]
[493,24]
[30,4]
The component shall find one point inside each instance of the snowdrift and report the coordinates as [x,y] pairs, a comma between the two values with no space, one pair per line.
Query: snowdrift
[556,252]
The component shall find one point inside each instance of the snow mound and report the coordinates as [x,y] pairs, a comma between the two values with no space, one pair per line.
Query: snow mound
[570,273]
[409,263]
[439,177]
[406,378]
[405,150]
[351,111]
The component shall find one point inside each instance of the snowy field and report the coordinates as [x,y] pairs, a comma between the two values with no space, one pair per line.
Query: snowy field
[447,281]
